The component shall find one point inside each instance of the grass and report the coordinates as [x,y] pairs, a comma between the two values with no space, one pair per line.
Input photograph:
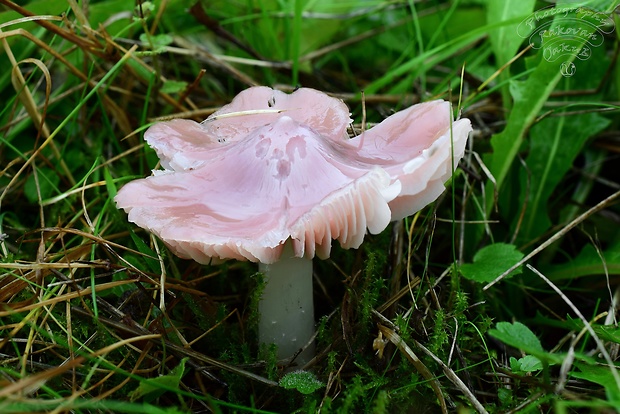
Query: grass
[97,315]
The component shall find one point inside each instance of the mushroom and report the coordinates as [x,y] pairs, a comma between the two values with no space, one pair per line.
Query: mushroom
[273,178]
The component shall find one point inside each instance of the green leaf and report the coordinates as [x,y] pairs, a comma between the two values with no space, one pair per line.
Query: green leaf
[554,145]
[529,97]
[171,86]
[506,40]
[109,183]
[521,337]
[491,261]
[303,381]
[143,72]
[607,333]
[599,374]
[455,22]
[48,183]
[517,335]
[152,388]
[528,363]
[156,41]
[588,262]
[144,9]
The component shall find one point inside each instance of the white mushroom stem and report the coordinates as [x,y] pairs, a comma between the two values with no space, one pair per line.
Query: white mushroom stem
[286,307]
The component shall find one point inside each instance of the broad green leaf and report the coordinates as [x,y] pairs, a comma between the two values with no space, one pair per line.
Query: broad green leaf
[588,262]
[517,335]
[48,182]
[303,381]
[171,86]
[529,97]
[152,388]
[555,142]
[603,6]
[145,7]
[156,41]
[143,72]
[521,337]
[109,183]
[599,374]
[528,363]
[607,333]
[491,261]
[505,40]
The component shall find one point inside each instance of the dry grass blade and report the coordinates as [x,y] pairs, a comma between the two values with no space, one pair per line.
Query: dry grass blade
[394,338]
[67,296]
[66,34]
[215,61]
[25,96]
[212,24]
[455,379]
[128,325]
[193,114]
[94,311]
[605,203]
[46,266]
[49,139]
[197,359]
[34,381]
[30,19]
[249,112]
[110,104]
[588,327]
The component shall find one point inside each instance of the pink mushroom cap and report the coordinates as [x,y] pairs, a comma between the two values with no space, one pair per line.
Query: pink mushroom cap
[270,167]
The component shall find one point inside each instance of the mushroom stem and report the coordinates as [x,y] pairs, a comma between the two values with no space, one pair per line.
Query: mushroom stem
[286,307]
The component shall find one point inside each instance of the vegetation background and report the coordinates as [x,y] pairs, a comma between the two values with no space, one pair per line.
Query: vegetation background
[86,324]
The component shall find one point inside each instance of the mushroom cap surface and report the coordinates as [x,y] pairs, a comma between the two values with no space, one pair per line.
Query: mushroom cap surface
[270,166]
